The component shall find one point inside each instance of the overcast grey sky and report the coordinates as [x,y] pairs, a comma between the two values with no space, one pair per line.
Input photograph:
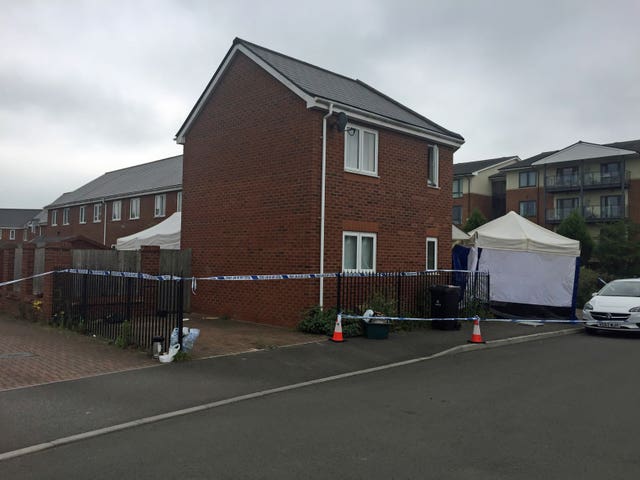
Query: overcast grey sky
[92,86]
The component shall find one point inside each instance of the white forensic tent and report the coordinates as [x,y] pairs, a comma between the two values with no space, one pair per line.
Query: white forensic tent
[527,263]
[165,234]
[458,234]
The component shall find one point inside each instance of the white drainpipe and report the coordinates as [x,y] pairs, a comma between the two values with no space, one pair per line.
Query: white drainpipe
[104,218]
[323,196]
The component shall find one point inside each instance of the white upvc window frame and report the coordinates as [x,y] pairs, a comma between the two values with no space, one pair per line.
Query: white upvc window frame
[160,205]
[97,212]
[0,234]
[116,210]
[179,202]
[82,214]
[134,208]
[12,234]
[361,131]
[360,236]
[433,166]
[431,241]
[54,218]
[65,215]
[25,235]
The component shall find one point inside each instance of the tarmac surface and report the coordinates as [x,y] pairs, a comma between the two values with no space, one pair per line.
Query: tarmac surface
[126,386]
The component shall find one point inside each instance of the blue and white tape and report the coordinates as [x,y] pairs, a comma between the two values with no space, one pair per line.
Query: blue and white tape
[10,282]
[463,319]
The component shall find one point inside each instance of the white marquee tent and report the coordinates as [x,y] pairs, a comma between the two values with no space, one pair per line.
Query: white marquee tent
[527,263]
[165,234]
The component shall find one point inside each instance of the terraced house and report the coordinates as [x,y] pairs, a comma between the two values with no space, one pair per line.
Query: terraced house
[118,203]
[291,168]
[15,225]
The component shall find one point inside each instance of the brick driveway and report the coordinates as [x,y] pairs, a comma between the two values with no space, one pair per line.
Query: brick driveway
[33,353]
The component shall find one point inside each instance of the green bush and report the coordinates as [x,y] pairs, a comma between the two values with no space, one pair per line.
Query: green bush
[317,320]
[587,285]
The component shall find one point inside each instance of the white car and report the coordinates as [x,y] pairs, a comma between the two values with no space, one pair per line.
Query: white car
[616,307]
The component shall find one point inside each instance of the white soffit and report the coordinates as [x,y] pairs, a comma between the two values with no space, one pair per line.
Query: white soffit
[582,151]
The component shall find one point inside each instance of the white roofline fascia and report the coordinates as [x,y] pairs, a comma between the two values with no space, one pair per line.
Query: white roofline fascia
[123,196]
[374,119]
[312,102]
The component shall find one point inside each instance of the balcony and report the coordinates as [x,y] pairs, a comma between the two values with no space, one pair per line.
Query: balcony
[587,181]
[595,214]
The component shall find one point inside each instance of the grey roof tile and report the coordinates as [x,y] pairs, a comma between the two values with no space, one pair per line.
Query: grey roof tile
[322,83]
[16,217]
[467,168]
[139,179]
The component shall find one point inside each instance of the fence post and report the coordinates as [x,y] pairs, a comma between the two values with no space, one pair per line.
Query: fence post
[180,293]
[398,294]
[83,305]
[339,293]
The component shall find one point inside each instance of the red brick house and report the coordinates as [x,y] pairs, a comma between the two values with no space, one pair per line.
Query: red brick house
[15,224]
[118,203]
[290,168]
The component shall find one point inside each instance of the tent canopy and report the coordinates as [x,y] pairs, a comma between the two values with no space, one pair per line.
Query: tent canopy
[513,232]
[165,234]
[458,234]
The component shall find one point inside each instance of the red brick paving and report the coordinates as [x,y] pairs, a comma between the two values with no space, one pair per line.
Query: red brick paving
[33,353]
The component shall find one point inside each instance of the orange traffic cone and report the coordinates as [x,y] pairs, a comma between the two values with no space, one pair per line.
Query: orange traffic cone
[337,332]
[476,337]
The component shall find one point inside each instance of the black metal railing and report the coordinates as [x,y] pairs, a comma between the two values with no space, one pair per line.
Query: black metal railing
[407,294]
[589,213]
[588,180]
[128,311]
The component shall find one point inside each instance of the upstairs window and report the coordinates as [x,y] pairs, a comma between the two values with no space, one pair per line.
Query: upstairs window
[361,150]
[528,179]
[65,216]
[433,166]
[12,234]
[134,209]
[179,202]
[83,214]
[358,252]
[97,212]
[54,218]
[116,210]
[160,205]
[457,187]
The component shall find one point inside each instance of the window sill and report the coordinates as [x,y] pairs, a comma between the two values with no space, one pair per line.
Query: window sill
[361,172]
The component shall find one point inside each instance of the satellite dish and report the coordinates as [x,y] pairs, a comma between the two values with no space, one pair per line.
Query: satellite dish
[342,122]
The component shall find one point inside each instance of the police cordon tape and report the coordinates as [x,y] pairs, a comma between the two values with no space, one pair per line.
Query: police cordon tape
[461,319]
[292,276]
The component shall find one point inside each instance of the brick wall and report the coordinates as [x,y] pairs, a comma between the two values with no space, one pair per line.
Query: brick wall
[469,202]
[252,180]
[634,201]
[515,196]
[115,228]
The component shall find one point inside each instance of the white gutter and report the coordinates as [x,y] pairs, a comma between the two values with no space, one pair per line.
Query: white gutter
[322,199]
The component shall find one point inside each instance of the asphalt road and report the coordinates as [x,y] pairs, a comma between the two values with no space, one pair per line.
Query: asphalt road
[564,407]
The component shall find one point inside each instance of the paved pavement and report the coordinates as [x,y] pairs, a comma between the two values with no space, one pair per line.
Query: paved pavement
[33,353]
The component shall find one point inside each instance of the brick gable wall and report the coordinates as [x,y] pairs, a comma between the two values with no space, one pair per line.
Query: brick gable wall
[252,183]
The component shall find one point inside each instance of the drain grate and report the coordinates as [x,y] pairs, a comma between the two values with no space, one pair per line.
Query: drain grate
[15,355]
